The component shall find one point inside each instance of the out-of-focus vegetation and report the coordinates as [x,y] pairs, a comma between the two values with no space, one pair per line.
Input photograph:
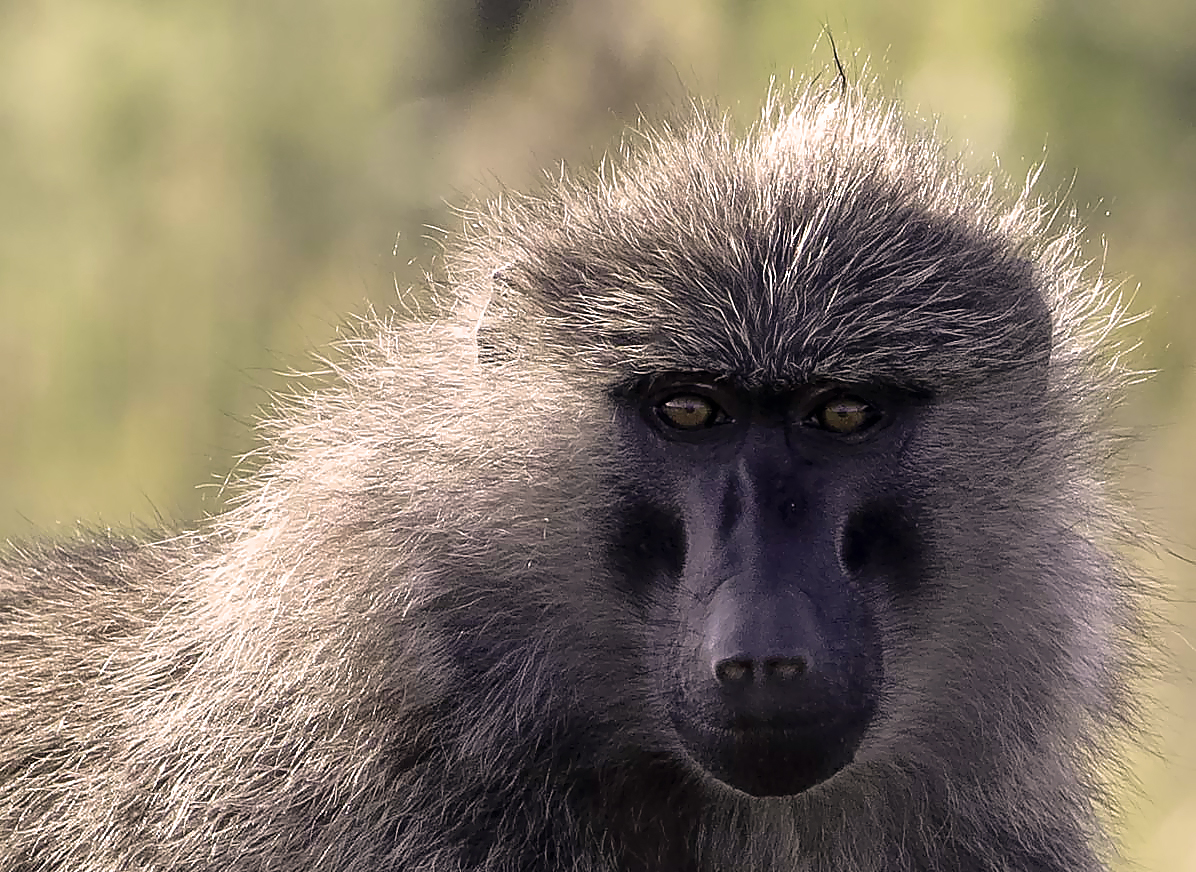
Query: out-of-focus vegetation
[193,194]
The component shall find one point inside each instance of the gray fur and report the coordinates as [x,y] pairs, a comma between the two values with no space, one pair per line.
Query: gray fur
[403,650]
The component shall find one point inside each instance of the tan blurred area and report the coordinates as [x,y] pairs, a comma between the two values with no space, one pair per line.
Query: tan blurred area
[193,196]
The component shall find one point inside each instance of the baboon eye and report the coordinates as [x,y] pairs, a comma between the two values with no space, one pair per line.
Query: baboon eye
[844,415]
[690,412]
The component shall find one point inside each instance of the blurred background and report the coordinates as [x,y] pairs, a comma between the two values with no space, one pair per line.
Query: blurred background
[194,195]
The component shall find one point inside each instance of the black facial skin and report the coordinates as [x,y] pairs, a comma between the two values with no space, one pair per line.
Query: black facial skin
[769,532]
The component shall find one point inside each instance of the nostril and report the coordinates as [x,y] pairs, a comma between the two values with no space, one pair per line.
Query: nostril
[733,670]
[742,671]
[784,668]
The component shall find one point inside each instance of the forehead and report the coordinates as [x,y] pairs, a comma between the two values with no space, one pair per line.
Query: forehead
[802,293]
[824,247]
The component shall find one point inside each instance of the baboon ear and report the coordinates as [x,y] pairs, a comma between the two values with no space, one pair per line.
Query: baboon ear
[1022,325]
[1038,336]
[464,323]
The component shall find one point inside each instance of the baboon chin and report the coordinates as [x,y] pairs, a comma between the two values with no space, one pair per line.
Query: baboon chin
[742,509]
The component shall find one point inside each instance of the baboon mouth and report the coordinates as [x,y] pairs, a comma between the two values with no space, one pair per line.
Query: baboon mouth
[763,760]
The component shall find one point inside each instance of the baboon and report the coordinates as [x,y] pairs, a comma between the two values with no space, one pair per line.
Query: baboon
[743,509]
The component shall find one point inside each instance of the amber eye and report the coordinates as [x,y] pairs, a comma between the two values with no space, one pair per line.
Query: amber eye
[845,416]
[690,412]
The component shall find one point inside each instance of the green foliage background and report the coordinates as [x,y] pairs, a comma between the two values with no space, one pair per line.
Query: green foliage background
[192,194]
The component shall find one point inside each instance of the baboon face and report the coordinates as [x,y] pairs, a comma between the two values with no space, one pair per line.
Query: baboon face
[820,376]
[767,531]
